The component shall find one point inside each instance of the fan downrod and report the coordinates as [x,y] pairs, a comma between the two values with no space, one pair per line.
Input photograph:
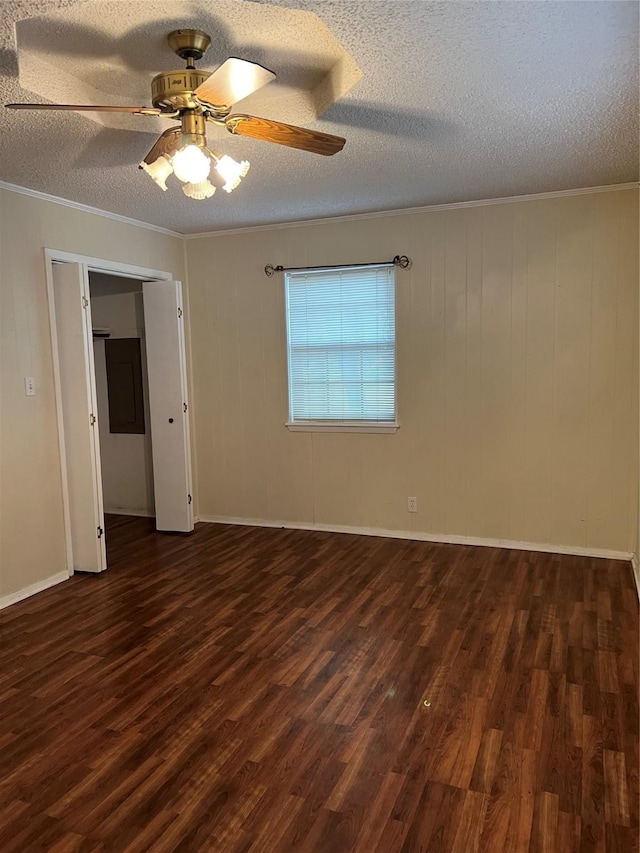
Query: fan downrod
[189,44]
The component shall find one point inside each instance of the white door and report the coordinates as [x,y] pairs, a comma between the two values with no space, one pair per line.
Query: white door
[168,404]
[79,416]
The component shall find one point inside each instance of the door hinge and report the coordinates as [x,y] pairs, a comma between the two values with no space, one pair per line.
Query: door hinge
[85,302]
[189,496]
[179,312]
[100,533]
[92,419]
[184,407]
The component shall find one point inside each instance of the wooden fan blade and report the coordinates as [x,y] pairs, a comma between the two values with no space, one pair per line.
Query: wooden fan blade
[167,143]
[143,111]
[285,134]
[233,81]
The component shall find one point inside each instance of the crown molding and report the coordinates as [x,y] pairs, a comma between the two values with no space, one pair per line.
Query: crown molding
[353,217]
[85,208]
[407,211]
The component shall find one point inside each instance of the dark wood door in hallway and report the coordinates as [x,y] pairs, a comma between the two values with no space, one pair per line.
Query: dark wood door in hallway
[244,689]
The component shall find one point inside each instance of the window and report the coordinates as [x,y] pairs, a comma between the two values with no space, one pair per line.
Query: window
[341,348]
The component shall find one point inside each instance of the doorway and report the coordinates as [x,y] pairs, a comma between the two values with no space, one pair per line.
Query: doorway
[143,423]
[122,392]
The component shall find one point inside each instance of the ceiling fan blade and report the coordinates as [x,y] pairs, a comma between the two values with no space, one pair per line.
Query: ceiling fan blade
[143,111]
[285,134]
[167,143]
[234,80]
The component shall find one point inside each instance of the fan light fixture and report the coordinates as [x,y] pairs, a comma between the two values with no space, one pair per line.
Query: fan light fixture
[182,150]
[191,164]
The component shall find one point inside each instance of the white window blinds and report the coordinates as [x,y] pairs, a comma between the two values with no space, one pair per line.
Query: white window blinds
[341,345]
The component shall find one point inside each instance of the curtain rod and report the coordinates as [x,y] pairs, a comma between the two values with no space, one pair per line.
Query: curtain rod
[401,261]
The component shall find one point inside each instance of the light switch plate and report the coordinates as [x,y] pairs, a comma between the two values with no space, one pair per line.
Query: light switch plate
[30,386]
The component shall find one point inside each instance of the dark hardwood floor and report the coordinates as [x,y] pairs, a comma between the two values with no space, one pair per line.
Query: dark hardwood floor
[246,689]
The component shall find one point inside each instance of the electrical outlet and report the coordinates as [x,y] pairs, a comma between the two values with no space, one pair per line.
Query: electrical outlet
[412,504]
[29,386]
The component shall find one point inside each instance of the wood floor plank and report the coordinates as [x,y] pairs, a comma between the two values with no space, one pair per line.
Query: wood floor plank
[568,836]
[616,801]
[281,691]
[471,822]
[372,830]
[593,788]
[545,823]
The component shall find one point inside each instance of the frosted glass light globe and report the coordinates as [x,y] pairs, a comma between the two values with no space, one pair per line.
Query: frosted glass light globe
[159,171]
[191,165]
[231,171]
[205,189]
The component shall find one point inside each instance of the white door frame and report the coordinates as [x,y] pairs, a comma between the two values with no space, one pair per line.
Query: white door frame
[93,265]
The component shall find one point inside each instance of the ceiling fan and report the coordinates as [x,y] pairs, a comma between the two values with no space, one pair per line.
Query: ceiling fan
[196,97]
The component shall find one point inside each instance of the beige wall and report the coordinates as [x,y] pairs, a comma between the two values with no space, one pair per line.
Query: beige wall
[517,376]
[31,521]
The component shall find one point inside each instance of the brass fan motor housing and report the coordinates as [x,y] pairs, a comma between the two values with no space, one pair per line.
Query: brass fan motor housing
[189,44]
[174,89]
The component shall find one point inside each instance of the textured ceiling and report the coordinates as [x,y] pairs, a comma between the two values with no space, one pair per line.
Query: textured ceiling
[457,101]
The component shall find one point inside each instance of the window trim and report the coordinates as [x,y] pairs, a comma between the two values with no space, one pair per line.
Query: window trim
[346,426]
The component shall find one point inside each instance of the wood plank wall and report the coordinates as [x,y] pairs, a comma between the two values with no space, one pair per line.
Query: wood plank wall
[517,376]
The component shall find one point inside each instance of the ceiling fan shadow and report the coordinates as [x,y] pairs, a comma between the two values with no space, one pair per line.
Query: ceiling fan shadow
[143,48]
[8,62]
[112,148]
[406,123]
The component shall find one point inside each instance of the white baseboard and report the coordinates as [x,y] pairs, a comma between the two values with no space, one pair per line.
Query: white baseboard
[442,538]
[141,513]
[32,589]
[635,565]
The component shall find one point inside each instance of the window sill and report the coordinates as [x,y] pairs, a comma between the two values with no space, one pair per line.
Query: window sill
[361,427]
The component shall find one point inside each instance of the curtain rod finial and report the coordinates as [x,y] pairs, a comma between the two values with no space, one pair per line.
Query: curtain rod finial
[270,269]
